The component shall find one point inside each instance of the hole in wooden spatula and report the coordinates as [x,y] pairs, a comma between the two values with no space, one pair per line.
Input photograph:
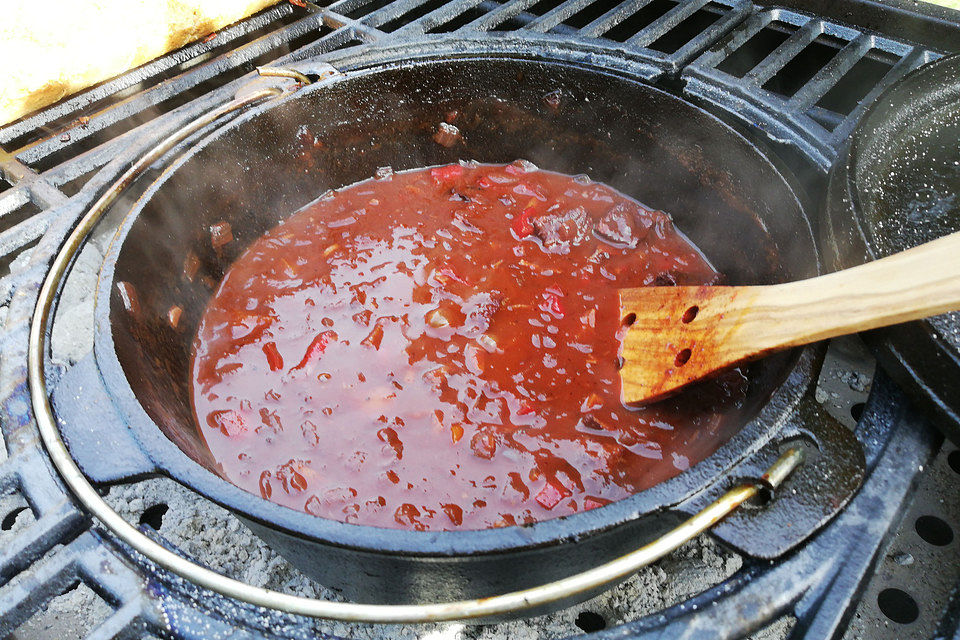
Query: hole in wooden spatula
[690,314]
[683,357]
[629,319]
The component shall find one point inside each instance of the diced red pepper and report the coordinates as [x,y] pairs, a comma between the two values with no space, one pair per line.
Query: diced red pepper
[447,174]
[505,520]
[291,476]
[445,274]
[375,337]
[228,422]
[265,489]
[473,359]
[484,445]
[525,408]
[591,402]
[522,227]
[552,493]
[454,512]
[389,436]
[408,515]
[589,319]
[591,502]
[552,304]
[274,359]
[316,348]
[313,506]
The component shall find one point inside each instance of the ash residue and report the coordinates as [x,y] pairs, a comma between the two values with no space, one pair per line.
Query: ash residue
[779,630]
[70,616]
[75,308]
[210,534]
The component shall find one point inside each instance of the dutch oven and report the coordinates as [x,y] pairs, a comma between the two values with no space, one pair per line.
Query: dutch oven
[257,168]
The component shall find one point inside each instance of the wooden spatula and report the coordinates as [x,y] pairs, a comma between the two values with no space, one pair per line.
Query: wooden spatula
[678,335]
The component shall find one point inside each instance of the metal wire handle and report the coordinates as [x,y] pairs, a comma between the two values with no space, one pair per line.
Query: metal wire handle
[350,612]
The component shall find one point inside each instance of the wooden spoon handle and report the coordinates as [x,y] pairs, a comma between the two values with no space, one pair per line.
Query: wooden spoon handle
[917,283]
[681,334]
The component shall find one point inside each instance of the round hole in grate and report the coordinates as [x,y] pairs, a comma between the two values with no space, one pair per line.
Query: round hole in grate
[153,516]
[857,410]
[898,605]
[954,460]
[934,530]
[590,621]
[10,519]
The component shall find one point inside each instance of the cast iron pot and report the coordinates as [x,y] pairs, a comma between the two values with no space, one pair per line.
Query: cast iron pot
[896,186]
[269,162]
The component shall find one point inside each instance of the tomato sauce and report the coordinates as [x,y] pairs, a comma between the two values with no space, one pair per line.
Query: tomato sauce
[438,349]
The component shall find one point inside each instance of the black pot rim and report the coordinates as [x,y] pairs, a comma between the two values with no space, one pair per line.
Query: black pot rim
[172,462]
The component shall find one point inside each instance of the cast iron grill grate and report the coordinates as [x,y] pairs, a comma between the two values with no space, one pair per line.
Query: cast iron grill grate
[796,73]
[729,52]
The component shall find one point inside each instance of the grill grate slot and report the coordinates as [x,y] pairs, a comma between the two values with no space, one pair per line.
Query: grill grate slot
[461,20]
[526,16]
[367,8]
[72,187]
[697,23]
[543,7]
[18,215]
[809,78]
[58,618]
[857,82]
[585,16]
[802,68]
[412,15]
[21,225]
[637,21]
[12,261]
[15,514]
[748,55]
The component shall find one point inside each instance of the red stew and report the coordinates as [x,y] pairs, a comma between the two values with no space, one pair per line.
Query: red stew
[438,349]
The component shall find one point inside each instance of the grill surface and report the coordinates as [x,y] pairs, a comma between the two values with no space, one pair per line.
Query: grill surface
[800,81]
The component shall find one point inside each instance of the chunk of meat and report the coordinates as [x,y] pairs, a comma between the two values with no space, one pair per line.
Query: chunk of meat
[560,231]
[625,224]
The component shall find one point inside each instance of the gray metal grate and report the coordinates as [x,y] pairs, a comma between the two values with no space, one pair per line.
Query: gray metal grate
[749,72]
[48,157]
